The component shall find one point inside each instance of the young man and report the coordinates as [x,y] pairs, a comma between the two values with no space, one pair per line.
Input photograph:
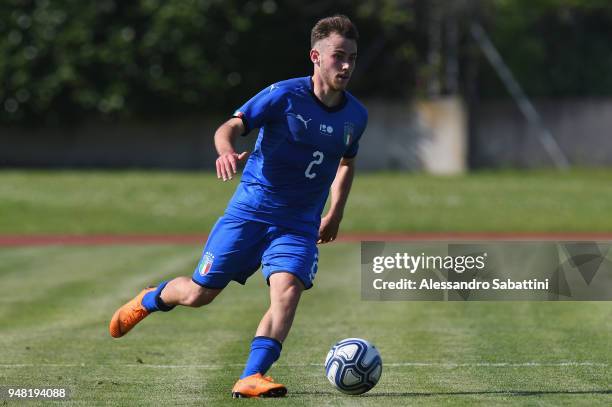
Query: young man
[309,136]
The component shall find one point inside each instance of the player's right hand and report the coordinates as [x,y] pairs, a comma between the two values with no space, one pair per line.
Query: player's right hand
[227,164]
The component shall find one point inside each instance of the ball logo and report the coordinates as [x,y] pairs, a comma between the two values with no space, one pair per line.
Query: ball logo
[206,263]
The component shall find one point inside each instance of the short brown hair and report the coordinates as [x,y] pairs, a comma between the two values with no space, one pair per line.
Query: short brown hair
[339,24]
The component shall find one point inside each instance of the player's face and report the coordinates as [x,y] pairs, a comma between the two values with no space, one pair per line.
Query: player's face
[335,56]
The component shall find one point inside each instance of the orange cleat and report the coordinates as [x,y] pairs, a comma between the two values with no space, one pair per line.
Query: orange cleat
[257,385]
[131,313]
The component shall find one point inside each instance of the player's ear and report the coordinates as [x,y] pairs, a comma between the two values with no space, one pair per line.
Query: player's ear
[315,56]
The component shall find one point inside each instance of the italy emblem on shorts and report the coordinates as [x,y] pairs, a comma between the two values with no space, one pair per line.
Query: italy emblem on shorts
[206,263]
[349,129]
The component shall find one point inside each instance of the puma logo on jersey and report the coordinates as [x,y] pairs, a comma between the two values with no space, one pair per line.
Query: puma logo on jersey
[300,118]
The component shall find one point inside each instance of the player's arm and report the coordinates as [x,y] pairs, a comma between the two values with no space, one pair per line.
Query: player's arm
[340,189]
[225,137]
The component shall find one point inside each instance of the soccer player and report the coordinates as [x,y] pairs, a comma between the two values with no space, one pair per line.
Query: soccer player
[308,139]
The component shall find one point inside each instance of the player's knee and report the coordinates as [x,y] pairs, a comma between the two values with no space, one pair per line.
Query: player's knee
[288,289]
[291,293]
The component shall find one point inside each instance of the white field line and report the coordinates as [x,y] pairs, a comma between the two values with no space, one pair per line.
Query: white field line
[400,364]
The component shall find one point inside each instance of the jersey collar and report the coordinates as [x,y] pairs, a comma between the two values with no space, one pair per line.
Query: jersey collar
[328,109]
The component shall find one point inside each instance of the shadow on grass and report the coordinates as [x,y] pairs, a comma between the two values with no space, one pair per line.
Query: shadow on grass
[461,393]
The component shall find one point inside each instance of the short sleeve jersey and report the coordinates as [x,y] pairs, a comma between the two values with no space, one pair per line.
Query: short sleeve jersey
[301,141]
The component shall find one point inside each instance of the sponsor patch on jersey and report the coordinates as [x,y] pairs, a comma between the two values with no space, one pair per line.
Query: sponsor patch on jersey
[349,129]
[206,263]
[326,129]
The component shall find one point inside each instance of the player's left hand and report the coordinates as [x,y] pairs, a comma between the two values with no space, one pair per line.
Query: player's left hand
[328,231]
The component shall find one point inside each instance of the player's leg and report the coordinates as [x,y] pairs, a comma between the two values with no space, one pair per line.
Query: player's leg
[164,297]
[298,255]
[225,258]
[184,291]
[285,292]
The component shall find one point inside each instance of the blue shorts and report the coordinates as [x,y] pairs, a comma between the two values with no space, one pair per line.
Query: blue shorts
[237,247]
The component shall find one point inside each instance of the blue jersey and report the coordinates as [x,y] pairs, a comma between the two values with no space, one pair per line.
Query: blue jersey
[301,141]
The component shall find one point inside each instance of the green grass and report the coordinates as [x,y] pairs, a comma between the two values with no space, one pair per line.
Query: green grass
[190,202]
[56,303]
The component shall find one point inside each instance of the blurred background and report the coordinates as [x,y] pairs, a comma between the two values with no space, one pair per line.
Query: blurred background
[451,86]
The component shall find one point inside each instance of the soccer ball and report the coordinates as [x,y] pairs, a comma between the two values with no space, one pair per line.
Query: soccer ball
[353,365]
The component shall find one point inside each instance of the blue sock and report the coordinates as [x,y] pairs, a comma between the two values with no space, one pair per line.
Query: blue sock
[152,300]
[264,352]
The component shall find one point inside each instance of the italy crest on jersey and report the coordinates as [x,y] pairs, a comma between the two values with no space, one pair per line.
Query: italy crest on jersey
[206,263]
[349,129]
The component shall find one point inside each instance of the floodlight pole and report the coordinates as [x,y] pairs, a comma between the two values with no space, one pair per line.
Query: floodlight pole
[527,108]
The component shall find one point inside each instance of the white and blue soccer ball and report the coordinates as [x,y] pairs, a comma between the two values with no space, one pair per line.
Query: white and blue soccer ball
[353,366]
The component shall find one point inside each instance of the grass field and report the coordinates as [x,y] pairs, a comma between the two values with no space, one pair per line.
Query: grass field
[164,202]
[56,304]
[56,301]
